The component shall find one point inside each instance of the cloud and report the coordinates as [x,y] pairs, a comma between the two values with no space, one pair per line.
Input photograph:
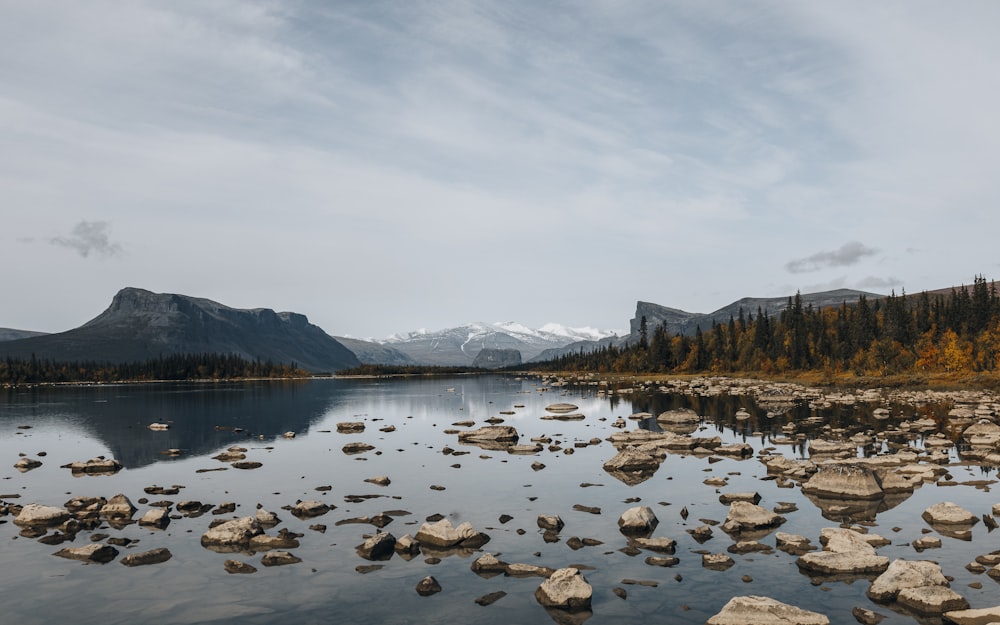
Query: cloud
[848,254]
[87,237]
[874,282]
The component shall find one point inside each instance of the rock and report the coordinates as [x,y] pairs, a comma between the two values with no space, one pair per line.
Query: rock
[561,407]
[490,437]
[284,540]
[866,616]
[746,517]
[728,498]
[716,561]
[26,464]
[38,515]
[159,426]
[843,481]
[661,545]
[118,506]
[550,522]
[379,480]
[153,556]
[309,509]
[927,542]
[428,586]
[632,459]
[488,563]
[931,599]
[662,561]
[94,552]
[756,610]
[638,520]
[947,513]
[793,543]
[980,616]
[356,448]
[407,546]
[903,574]
[381,546]
[155,517]
[239,568]
[519,569]
[846,552]
[350,426]
[232,534]
[265,518]
[701,533]
[279,558]
[95,466]
[442,535]
[983,434]
[566,589]
[491,598]
[679,416]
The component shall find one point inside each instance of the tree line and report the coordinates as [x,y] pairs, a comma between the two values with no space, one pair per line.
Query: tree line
[957,332]
[173,367]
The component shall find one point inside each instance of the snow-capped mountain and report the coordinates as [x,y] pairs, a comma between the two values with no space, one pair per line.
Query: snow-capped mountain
[461,345]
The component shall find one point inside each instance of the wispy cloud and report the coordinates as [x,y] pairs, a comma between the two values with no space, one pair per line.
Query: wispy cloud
[89,237]
[848,254]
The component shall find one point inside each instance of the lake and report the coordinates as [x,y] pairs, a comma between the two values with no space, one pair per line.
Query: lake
[470,484]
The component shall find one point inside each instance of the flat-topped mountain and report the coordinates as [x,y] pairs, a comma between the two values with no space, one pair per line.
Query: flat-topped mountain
[140,325]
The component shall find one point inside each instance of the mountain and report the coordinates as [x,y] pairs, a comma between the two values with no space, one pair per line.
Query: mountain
[10,334]
[681,322]
[459,346]
[372,353]
[140,325]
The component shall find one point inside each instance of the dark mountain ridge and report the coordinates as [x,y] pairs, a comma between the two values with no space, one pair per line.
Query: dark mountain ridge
[140,325]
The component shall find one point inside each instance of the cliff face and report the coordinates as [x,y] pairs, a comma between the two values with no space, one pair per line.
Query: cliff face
[139,325]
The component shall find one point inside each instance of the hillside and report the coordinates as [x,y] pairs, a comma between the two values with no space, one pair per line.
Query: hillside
[140,325]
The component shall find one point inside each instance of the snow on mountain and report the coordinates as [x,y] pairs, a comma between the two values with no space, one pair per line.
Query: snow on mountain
[461,345]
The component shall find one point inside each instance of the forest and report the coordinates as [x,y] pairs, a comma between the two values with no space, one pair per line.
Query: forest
[174,367]
[942,333]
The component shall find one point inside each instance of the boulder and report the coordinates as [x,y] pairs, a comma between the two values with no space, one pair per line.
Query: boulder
[429,586]
[309,509]
[95,466]
[903,574]
[551,522]
[406,546]
[442,535]
[38,515]
[350,426]
[661,545]
[638,520]
[728,498]
[716,561]
[679,416]
[239,568]
[983,434]
[236,533]
[566,589]
[745,516]
[631,459]
[265,518]
[493,436]
[756,610]
[26,464]
[153,556]
[846,552]
[155,517]
[843,481]
[561,407]
[118,506]
[793,543]
[381,546]
[94,552]
[931,599]
[947,513]
[488,564]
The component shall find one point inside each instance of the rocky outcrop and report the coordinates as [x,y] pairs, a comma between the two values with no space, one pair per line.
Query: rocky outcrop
[232,535]
[757,610]
[843,481]
[947,513]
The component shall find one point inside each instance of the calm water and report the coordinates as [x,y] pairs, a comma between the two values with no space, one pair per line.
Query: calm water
[70,424]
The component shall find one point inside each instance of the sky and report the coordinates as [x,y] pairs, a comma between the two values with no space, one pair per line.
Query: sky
[387,166]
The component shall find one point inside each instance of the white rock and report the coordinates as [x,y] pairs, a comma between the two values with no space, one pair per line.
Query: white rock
[566,589]
[756,610]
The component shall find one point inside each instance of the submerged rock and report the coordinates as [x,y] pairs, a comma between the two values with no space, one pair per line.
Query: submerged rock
[153,556]
[95,466]
[94,552]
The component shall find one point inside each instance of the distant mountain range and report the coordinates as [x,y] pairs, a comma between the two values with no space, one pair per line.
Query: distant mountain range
[140,325]
[461,345]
